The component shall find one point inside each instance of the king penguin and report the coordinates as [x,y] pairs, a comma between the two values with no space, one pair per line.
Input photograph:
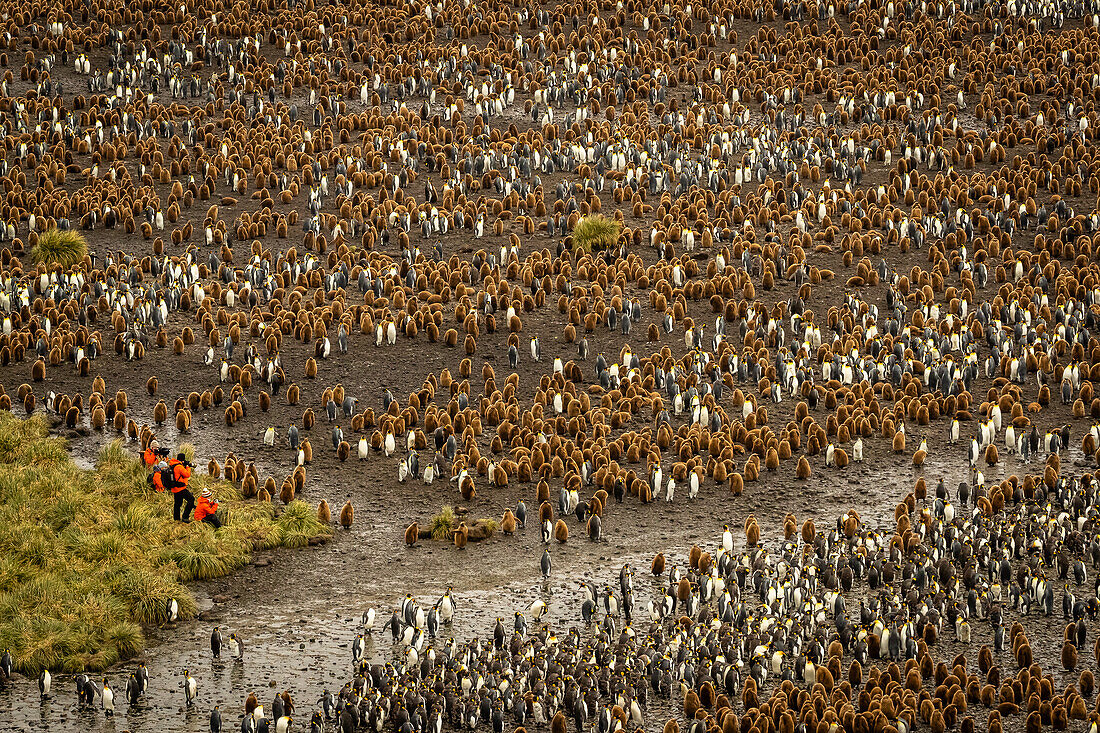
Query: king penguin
[190,688]
[107,698]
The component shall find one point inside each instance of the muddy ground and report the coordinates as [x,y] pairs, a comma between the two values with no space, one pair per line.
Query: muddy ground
[298,611]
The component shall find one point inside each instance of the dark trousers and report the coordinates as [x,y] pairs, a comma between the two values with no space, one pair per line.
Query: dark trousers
[183,499]
[213,521]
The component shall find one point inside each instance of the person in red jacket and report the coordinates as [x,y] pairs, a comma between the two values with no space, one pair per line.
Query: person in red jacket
[206,509]
[181,496]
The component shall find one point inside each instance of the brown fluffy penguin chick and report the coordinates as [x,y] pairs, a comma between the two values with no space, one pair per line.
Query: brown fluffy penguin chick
[985,659]
[706,695]
[467,489]
[462,536]
[936,723]
[508,522]
[412,534]
[658,566]
[1069,657]
[1087,682]
[1034,722]
[683,590]
[752,533]
[691,704]
[324,514]
[558,724]
[347,515]
[1023,655]
[561,531]
[790,527]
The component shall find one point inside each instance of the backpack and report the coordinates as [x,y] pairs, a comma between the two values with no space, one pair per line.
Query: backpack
[168,478]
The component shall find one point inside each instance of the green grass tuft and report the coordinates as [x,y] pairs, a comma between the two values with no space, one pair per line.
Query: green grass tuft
[115,455]
[64,247]
[298,524]
[89,557]
[204,557]
[443,524]
[595,233]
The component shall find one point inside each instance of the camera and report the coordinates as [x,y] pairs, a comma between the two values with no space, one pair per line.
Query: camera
[161,451]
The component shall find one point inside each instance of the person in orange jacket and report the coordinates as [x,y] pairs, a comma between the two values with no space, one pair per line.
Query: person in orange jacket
[206,509]
[150,455]
[156,478]
[181,496]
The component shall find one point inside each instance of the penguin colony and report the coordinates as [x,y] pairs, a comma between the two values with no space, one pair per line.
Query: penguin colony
[749,638]
[845,228]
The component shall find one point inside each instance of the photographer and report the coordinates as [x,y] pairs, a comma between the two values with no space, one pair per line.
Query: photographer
[181,494]
[151,454]
[207,509]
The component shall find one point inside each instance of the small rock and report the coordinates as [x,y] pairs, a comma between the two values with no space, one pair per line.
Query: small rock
[221,598]
[262,562]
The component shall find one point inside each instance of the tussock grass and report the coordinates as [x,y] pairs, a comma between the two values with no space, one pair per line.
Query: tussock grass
[203,555]
[298,524]
[443,524]
[595,233]
[114,456]
[65,247]
[89,557]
